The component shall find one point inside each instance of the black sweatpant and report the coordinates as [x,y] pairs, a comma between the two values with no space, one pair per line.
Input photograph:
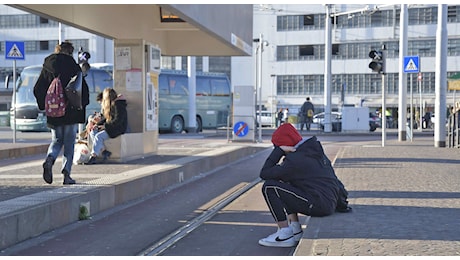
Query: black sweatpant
[284,199]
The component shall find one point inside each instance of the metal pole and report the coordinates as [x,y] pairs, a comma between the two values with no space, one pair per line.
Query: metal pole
[274,106]
[411,121]
[384,110]
[420,126]
[259,83]
[14,101]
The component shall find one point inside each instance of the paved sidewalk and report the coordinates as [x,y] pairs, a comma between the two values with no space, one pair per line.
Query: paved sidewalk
[405,199]
[405,196]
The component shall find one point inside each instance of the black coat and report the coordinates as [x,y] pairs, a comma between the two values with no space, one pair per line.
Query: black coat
[119,123]
[308,169]
[65,66]
[305,107]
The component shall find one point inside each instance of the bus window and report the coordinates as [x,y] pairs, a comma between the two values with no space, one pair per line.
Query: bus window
[203,86]
[163,87]
[102,80]
[220,87]
[178,85]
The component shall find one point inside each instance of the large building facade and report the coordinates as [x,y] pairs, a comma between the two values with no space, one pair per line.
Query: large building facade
[293,62]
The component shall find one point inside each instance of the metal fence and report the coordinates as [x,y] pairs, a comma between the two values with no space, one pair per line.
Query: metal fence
[453,129]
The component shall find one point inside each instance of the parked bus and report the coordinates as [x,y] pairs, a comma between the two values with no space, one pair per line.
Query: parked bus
[213,101]
[29,117]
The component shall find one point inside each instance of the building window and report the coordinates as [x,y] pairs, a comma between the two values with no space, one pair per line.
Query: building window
[44,45]
[43,20]
[335,49]
[79,43]
[452,12]
[300,22]
[419,16]
[308,20]
[306,50]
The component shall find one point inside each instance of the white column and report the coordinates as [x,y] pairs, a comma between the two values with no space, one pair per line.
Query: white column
[191,73]
[441,78]
[327,72]
[403,21]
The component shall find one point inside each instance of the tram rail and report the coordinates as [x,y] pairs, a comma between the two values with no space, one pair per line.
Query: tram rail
[157,248]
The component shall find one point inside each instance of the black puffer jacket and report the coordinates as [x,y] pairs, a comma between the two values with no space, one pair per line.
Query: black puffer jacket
[119,123]
[308,169]
[65,66]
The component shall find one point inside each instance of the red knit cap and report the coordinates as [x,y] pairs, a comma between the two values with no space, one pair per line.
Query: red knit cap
[287,135]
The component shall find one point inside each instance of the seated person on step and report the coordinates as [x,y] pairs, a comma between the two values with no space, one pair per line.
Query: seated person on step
[92,119]
[298,179]
[113,123]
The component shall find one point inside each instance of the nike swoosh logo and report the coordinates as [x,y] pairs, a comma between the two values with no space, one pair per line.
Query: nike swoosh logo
[282,239]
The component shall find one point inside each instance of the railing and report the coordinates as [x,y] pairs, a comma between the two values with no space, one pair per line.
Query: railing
[453,130]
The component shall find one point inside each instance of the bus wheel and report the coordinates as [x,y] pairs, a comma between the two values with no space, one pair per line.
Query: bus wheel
[177,125]
[199,125]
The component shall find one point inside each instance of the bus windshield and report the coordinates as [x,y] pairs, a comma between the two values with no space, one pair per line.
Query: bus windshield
[25,86]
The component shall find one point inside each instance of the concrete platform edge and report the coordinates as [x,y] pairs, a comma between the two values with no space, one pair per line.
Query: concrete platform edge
[29,216]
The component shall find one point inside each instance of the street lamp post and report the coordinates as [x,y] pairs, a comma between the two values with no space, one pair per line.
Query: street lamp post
[259,50]
[273,99]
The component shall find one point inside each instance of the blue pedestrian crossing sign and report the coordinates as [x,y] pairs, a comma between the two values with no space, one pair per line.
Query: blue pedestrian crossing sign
[14,51]
[411,64]
[240,129]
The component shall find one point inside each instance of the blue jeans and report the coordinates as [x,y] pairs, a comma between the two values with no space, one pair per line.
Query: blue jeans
[63,136]
[98,138]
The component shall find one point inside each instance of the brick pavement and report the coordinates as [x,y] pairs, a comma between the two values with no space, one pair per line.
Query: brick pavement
[405,199]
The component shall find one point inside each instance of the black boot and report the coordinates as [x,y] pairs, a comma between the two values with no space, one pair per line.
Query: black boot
[106,154]
[67,179]
[48,170]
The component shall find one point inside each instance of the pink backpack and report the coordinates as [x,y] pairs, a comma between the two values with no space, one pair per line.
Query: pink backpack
[55,102]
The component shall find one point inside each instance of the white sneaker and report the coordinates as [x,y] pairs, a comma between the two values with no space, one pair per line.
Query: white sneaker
[282,238]
[296,230]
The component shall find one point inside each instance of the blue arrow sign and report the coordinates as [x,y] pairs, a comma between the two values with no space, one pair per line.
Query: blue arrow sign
[14,51]
[411,64]
[241,129]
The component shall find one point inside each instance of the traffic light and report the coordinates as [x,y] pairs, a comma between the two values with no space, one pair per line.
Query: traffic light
[378,61]
[83,57]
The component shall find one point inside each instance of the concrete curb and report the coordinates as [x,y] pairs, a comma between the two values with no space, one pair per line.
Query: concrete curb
[29,216]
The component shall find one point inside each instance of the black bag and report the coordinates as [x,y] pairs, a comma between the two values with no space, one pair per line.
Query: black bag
[73,91]
[342,202]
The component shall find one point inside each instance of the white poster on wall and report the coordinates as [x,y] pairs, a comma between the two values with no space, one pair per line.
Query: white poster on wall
[122,58]
[151,113]
[134,80]
[155,54]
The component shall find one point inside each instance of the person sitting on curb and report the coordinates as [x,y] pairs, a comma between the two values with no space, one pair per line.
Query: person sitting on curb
[92,119]
[303,182]
[114,123]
